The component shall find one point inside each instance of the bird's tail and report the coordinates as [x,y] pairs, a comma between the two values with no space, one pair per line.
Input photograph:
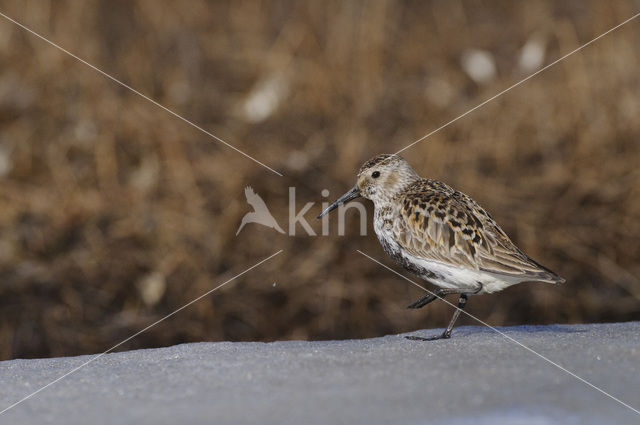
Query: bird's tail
[545,274]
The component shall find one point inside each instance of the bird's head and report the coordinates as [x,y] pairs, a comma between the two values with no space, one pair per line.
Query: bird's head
[379,179]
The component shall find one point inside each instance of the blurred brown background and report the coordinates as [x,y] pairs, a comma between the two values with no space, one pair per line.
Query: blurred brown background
[114,213]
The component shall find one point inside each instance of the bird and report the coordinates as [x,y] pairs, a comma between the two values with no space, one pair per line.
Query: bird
[440,234]
[260,213]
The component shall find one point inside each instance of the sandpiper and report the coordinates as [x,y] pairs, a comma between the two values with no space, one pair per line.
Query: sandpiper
[440,234]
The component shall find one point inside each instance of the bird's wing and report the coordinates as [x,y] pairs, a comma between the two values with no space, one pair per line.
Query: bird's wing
[254,199]
[447,226]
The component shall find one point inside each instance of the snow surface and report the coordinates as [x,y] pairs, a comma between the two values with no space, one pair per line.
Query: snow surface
[477,377]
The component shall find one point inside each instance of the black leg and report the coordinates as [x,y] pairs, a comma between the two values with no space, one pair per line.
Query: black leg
[430,297]
[462,302]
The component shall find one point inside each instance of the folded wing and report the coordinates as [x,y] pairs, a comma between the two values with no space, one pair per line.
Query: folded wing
[449,227]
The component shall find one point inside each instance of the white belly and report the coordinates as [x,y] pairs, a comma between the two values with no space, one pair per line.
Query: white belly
[464,279]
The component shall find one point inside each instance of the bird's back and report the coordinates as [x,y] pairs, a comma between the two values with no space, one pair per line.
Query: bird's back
[438,226]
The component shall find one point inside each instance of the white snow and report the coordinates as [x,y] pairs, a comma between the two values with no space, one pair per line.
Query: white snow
[476,377]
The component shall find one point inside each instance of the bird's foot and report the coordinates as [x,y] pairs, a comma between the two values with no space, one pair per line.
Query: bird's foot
[421,302]
[443,335]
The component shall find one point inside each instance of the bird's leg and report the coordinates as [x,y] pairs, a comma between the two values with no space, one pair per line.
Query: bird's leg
[462,302]
[430,297]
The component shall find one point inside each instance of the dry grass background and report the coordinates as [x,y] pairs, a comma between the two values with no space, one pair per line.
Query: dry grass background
[114,213]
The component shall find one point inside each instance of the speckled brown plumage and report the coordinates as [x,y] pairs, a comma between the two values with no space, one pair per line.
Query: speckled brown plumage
[431,221]
[440,234]
[440,223]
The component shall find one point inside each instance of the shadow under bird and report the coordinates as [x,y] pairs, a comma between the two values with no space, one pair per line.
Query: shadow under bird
[440,234]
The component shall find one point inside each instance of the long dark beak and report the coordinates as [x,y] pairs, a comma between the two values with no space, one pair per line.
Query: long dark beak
[352,194]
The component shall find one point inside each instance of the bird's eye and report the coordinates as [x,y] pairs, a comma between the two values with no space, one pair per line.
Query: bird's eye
[375,174]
